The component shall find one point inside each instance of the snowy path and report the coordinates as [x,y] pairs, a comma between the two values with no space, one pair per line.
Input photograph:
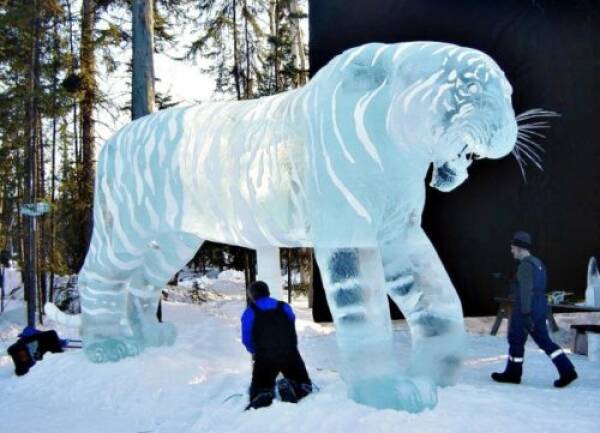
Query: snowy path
[182,388]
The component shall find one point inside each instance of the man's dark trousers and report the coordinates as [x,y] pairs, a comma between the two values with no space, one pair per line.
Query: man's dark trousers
[265,371]
[521,326]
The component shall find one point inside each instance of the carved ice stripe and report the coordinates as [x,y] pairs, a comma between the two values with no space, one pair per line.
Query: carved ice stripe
[353,54]
[350,198]
[359,120]
[336,129]
[420,86]
[378,53]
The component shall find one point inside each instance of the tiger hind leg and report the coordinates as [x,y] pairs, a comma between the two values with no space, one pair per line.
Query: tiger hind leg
[106,334]
[165,255]
[120,294]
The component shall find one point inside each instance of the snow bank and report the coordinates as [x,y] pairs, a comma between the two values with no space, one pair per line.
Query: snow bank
[198,386]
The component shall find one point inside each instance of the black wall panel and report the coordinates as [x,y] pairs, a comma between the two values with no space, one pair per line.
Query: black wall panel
[550,52]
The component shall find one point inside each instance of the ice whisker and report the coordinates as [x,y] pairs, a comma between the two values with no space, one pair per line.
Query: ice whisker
[532,156]
[526,149]
[531,131]
[536,113]
[520,163]
[529,148]
[533,125]
[524,140]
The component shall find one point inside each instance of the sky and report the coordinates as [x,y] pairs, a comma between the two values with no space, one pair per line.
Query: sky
[184,81]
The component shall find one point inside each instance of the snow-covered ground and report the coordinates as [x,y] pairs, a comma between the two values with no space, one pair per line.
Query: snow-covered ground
[198,385]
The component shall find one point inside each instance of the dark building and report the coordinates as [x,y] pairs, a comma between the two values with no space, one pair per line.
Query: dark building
[550,51]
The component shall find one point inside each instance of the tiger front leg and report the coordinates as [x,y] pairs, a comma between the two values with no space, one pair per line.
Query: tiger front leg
[354,286]
[418,283]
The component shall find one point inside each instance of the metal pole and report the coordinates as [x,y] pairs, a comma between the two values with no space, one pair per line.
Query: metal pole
[32,273]
[33,270]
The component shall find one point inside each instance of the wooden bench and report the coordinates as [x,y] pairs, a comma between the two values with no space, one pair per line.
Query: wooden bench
[580,343]
[505,309]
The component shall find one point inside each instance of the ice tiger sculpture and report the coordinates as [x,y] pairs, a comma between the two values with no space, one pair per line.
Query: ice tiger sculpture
[338,165]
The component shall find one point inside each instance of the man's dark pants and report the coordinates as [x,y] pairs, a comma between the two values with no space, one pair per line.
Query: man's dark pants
[265,371]
[518,332]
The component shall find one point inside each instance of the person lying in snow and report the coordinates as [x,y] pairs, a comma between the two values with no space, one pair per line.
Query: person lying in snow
[31,347]
[269,334]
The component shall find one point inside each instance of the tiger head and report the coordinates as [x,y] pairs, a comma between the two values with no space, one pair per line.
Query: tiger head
[463,103]
[475,119]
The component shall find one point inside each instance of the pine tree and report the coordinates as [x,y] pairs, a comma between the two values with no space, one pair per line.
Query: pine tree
[28,96]
[285,61]
[88,101]
[230,38]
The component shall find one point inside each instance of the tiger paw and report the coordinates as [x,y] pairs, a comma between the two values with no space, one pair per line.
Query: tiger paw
[411,395]
[111,349]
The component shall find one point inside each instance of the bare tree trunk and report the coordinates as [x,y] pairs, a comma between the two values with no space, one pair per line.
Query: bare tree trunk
[289,275]
[298,44]
[236,53]
[73,69]
[88,75]
[30,170]
[56,48]
[6,214]
[306,271]
[142,92]
[249,267]
[20,222]
[8,197]
[249,91]
[42,240]
[274,27]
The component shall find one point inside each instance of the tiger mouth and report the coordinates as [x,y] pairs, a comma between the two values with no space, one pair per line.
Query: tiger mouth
[450,174]
[445,173]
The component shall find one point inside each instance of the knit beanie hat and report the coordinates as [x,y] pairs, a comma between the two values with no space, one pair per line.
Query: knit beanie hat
[521,239]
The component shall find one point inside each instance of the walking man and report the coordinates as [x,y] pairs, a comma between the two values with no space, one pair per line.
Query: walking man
[269,334]
[529,317]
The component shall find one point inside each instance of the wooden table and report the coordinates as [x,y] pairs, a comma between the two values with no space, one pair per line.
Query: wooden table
[505,309]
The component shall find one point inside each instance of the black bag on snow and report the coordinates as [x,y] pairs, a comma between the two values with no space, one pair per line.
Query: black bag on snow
[30,349]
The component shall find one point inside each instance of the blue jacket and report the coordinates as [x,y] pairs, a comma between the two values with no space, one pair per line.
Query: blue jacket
[531,284]
[248,319]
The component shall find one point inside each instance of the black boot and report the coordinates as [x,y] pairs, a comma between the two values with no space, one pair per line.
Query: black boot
[565,379]
[512,373]
[287,391]
[565,369]
[291,391]
[260,398]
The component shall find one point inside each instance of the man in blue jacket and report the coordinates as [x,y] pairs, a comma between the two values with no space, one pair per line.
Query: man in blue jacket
[269,334]
[529,317]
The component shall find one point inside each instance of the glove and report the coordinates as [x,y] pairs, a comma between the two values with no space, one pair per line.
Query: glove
[528,322]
